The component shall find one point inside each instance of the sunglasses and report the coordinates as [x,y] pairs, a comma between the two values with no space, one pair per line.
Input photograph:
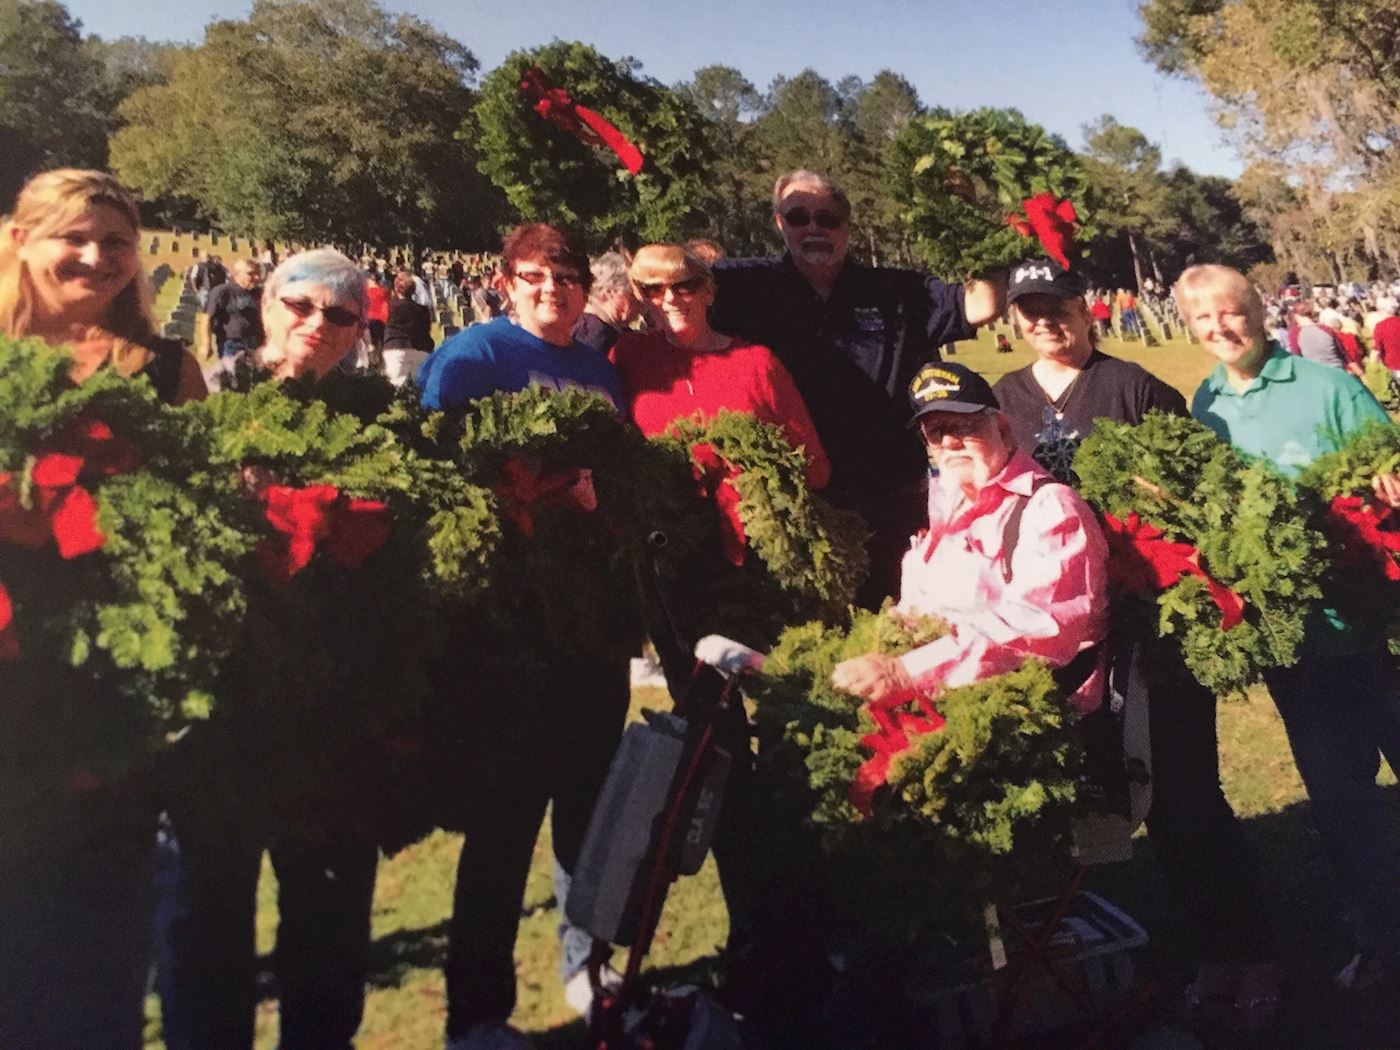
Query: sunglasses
[685,289]
[562,278]
[827,220]
[334,315]
[938,425]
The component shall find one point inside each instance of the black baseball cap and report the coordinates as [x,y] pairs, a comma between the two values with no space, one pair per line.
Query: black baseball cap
[947,387]
[1043,277]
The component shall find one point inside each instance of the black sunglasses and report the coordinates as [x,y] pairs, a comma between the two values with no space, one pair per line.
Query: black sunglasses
[562,278]
[334,315]
[685,288]
[827,220]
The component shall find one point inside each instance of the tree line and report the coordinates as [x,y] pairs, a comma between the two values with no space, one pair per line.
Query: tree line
[335,120]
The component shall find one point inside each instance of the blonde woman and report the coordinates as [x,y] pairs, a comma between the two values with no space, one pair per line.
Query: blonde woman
[70,273]
[75,898]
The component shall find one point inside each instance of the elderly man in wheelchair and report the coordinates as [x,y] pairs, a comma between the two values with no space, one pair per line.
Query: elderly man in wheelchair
[1011,559]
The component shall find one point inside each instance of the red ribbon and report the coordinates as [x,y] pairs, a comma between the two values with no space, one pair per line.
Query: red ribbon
[1052,222]
[1141,561]
[897,730]
[525,488]
[9,641]
[59,508]
[716,475]
[555,105]
[1355,523]
[350,529]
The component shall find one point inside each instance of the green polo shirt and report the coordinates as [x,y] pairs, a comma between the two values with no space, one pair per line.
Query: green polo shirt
[1294,411]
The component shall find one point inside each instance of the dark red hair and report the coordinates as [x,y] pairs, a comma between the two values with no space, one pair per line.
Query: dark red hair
[541,241]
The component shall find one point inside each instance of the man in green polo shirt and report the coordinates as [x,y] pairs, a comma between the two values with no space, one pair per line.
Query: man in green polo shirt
[1289,410]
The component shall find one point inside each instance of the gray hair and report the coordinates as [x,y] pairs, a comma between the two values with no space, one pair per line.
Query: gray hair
[828,186]
[609,275]
[1387,305]
[325,268]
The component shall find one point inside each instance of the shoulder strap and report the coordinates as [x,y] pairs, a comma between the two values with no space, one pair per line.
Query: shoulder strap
[1011,530]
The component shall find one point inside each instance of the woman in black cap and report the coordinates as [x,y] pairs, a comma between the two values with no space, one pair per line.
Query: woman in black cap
[1210,867]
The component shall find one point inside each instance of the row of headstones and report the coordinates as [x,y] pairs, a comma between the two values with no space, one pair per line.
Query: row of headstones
[213,238]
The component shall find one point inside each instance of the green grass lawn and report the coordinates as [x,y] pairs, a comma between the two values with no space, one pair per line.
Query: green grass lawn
[406,1005]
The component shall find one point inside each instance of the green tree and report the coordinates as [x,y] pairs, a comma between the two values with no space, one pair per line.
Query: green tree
[51,98]
[1312,86]
[315,120]
[1126,187]
[880,110]
[734,195]
[958,177]
[549,175]
[805,124]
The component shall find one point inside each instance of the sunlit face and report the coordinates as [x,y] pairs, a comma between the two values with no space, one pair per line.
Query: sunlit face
[246,276]
[968,448]
[547,299]
[80,267]
[1224,326]
[1057,329]
[815,244]
[680,307]
[309,330]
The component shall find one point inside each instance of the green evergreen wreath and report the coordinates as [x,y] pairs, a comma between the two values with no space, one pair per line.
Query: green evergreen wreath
[117,647]
[996,779]
[1249,525]
[1363,581]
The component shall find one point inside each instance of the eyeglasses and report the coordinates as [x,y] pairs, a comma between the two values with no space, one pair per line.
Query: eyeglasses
[938,425]
[562,278]
[827,220]
[334,315]
[682,289]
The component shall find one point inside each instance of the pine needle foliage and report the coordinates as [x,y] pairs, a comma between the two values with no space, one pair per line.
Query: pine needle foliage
[967,808]
[1250,525]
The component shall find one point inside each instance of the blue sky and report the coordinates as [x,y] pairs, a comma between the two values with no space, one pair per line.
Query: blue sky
[1061,62]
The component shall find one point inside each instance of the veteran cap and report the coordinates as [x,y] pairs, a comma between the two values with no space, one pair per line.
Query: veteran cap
[947,387]
[1042,277]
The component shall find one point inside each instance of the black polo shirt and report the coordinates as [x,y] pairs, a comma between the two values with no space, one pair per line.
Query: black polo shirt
[852,357]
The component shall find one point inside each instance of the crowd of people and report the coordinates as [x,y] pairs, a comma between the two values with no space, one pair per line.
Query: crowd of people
[844,357]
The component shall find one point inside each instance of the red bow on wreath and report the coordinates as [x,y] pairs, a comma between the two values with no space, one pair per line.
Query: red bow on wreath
[1052,222]
[1356,524]
[524,489]
[716,475]
[895,735]
[9,641]
[1141,561]
[351,529]
[58,507]
[555,105]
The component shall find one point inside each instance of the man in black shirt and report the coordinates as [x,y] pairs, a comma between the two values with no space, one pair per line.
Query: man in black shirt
[235,310]
[853,336]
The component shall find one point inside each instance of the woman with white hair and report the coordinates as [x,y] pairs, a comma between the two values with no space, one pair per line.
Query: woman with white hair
[1289,410]
[315,309]
[612,304]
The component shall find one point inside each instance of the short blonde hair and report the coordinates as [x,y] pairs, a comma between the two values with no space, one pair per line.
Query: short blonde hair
[48,202]
[667,264]
[1213,280]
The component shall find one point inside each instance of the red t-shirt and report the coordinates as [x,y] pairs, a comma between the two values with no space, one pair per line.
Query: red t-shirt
[1101,310]
[662,383]
[1386,340]
[377,297]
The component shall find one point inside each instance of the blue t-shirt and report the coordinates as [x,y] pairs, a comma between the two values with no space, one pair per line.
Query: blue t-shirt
[501,355]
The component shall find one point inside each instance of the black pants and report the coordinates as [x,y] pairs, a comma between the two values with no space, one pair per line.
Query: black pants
[1211,868]
[567,766]
[206,968]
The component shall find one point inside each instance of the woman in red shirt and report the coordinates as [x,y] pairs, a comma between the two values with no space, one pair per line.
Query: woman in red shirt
[683,368]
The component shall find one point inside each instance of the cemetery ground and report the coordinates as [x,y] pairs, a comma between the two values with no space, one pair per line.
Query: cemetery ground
[405,1004]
